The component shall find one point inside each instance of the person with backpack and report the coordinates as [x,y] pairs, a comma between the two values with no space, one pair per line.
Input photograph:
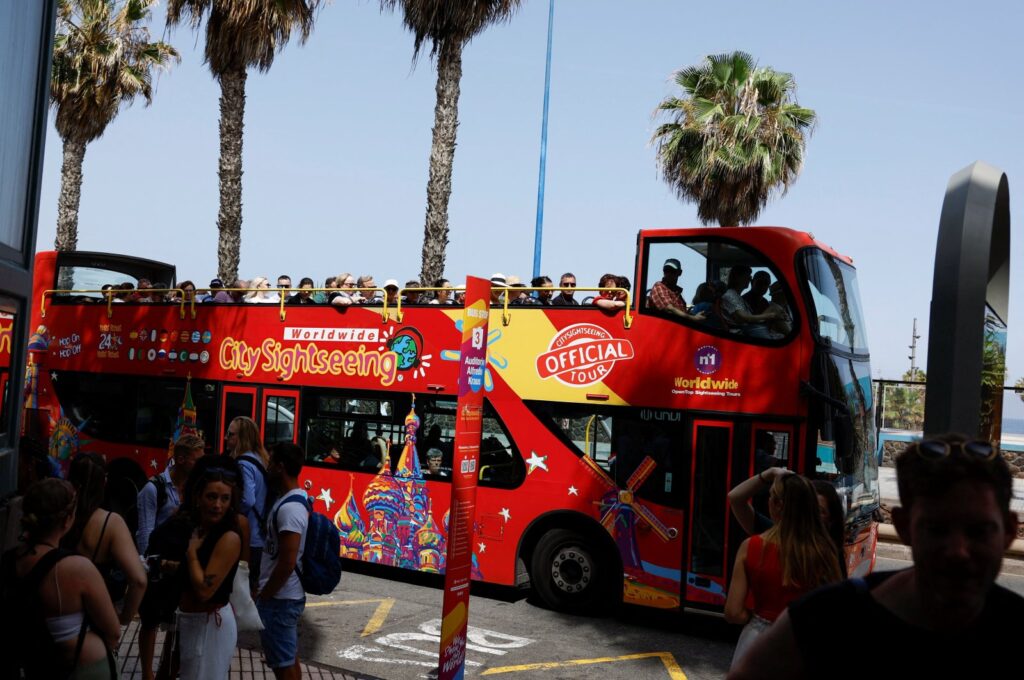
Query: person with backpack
[161,496]
[281,597]
[244,445]
[59,621]
[104,537]
[158,501]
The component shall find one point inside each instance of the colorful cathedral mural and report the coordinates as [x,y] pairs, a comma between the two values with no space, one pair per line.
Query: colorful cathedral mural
[399,528]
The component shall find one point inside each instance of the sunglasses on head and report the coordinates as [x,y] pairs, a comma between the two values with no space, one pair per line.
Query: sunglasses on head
[934,449]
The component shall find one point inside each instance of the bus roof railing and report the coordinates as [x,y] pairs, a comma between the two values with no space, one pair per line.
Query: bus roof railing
[506,317]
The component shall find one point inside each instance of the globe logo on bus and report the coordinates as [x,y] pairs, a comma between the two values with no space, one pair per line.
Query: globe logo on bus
[408,345]
[707,359]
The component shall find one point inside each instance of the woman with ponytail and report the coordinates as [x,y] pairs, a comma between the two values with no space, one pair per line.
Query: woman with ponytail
[58,619]
[103,536]
[796,555]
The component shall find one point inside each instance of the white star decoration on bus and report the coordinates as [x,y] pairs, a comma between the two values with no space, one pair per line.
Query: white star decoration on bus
[53,376]
[573,491]
[152,463]
[482,547]
[535,461]
[325,496]
[506,514]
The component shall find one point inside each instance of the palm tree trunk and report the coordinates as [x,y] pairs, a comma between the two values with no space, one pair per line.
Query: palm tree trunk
[70,196]
[229,217]
[442,157]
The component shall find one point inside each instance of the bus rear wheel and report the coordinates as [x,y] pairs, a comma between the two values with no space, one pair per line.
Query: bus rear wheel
[568,572]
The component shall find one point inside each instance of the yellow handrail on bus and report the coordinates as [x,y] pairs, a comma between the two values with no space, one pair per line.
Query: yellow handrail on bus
[627,318]
[110,294]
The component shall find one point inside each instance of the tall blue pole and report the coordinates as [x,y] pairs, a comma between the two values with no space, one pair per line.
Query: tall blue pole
[543,148]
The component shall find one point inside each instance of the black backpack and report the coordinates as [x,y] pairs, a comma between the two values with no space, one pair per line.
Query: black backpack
[25,642]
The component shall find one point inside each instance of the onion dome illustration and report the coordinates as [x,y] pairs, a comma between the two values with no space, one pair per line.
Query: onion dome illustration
[383,495]
[409,462]
[350,523]
[40,340]
[444,520]
[429,536]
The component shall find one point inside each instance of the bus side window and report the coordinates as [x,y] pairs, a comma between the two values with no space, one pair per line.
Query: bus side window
[500,463]
[771,449]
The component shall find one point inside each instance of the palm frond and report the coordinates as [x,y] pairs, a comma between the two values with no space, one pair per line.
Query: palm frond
[736,137]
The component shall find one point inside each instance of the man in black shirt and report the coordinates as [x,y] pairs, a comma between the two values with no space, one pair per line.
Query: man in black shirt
[565,298]
[945,616]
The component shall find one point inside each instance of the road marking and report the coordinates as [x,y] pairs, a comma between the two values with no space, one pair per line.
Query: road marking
[478,640]
[675,672]
[376,621]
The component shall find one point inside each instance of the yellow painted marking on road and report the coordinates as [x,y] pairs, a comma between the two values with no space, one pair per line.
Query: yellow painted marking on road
[376,621]
[675,672]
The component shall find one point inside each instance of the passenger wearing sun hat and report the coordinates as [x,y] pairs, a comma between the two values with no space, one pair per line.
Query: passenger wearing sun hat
[391,291]
[667,296]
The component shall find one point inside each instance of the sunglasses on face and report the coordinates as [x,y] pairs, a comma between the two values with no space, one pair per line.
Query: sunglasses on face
[934,449]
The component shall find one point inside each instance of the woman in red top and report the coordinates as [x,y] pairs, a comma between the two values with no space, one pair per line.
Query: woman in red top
[772,569]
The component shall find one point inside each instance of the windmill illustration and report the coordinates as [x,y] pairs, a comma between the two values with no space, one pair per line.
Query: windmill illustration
[620,510]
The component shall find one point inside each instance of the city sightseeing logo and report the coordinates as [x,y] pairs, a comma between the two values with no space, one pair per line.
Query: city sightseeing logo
[582,354]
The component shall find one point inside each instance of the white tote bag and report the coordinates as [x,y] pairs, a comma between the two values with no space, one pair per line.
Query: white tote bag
[246,615]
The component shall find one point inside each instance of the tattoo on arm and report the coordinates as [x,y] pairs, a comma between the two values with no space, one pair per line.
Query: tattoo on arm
[208,579]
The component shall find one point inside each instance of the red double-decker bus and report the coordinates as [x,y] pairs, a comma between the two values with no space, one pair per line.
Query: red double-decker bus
[610,439]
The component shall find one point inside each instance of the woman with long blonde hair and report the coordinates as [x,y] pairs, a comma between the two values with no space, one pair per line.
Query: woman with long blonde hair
[245,445]
[776,567]
[263,294]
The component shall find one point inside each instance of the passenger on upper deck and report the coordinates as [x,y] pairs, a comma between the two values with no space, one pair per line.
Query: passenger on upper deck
[391,292]
[320,296]
[515,294]
[498,286]
[566,297]
[143,293]
[305,294]
[460,294]
[443,296]
[412,297]
[736,311]
[543,297]
[609,299]
[667,297]
[284,281]
[217,292]
[343,295]
[755,296]
[369,297]
[262,294]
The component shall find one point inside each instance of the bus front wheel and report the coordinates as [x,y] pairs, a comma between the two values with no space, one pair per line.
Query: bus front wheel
[567,572]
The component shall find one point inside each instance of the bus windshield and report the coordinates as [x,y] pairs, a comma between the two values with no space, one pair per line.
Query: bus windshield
[836,297]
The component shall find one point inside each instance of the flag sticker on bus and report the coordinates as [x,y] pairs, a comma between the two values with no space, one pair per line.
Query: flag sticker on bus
[582,354]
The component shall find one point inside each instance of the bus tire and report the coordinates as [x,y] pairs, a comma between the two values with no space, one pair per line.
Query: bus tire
[569,573]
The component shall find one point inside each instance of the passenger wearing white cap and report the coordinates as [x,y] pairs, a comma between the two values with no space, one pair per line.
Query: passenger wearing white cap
[498,286]
[667,296]
[391,291]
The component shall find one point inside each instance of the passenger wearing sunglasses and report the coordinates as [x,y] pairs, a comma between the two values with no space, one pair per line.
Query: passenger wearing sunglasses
[943,617]
[566,297]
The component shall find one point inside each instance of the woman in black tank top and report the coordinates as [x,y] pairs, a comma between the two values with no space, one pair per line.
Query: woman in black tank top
[206,622]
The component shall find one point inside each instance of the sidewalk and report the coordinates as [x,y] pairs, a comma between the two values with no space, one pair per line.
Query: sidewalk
[248,663]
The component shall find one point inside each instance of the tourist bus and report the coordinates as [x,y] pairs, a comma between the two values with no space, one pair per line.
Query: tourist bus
[610,438]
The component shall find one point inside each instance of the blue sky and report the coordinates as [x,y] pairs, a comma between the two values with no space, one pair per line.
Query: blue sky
[338,134]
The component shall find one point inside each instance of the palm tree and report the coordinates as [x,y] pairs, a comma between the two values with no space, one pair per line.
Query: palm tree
[239,34]
[448,25]
[102,59]
[736,137]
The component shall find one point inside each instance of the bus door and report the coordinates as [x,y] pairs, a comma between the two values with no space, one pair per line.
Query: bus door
[280,410]
[706,552]
[235,401]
